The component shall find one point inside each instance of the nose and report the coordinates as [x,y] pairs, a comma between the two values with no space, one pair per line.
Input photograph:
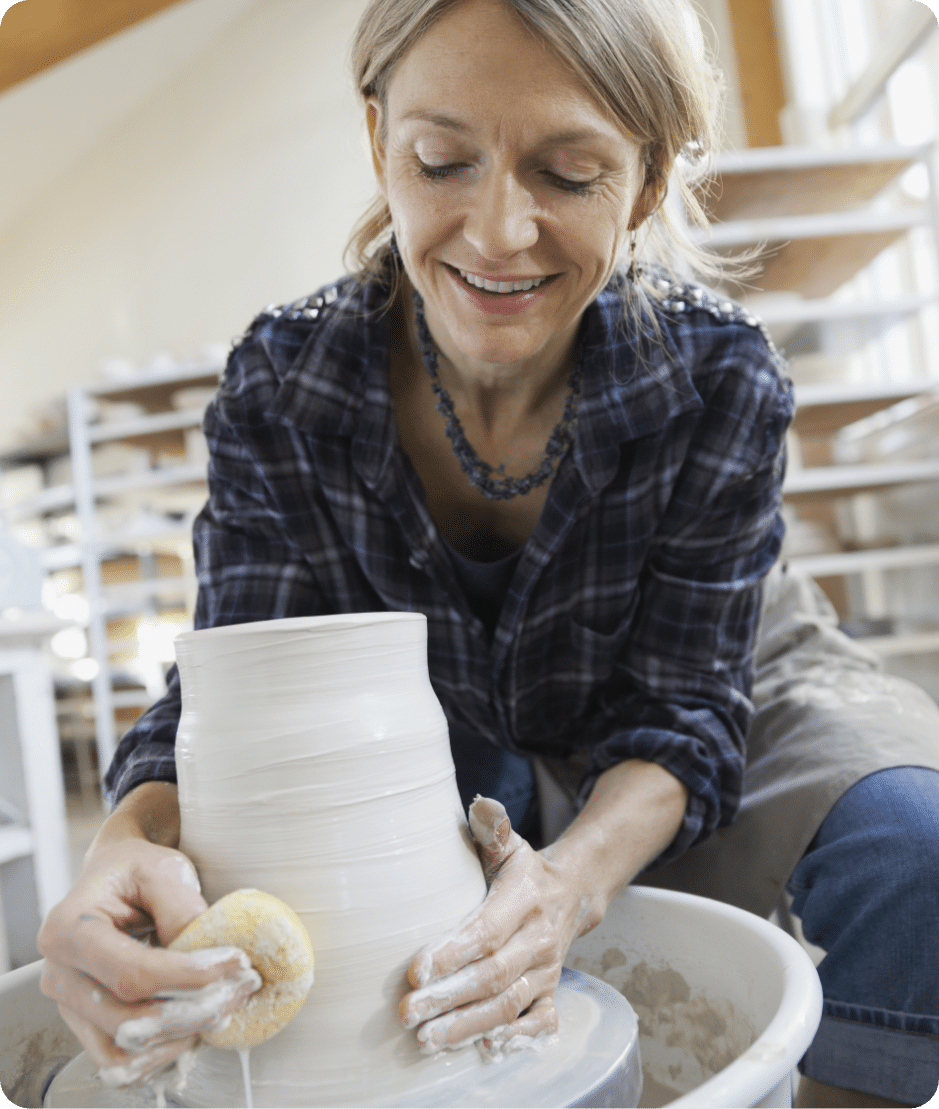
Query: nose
[501,219]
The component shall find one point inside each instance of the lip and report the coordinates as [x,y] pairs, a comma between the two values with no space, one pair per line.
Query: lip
[500,304]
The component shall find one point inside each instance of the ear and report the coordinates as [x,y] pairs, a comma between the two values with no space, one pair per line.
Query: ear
[374,120]
[648,202]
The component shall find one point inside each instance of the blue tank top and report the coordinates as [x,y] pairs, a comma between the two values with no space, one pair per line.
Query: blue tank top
[486,581]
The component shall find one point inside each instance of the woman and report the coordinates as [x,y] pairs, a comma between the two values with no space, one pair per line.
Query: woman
[573,469]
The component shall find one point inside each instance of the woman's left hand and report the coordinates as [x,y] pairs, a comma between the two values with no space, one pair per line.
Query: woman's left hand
[499,971]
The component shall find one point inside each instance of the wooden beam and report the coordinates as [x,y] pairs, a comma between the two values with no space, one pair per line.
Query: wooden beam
[36,34]
[761,80]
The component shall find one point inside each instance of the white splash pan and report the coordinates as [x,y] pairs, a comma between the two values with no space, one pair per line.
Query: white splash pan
[727,1002]
[701,962]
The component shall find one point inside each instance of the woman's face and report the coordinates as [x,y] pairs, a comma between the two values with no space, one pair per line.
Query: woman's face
[499,167]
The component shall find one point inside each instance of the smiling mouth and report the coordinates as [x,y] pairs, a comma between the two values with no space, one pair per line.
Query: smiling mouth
[501,288]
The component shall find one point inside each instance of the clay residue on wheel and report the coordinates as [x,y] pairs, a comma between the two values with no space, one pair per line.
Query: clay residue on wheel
[612,957]
[685,1036]
[651,989]
[41,1055]
[684,1025]
[655,1093]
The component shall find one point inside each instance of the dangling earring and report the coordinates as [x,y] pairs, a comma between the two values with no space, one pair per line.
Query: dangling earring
[634,271]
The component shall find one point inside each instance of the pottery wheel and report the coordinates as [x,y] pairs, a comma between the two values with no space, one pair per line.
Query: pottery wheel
[593,1061]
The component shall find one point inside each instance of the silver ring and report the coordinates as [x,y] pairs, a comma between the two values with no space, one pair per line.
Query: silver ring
[531,992]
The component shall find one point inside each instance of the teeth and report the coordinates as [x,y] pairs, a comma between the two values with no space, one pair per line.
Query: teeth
[501,286]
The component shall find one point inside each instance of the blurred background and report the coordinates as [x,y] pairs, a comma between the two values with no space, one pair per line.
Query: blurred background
[172,167]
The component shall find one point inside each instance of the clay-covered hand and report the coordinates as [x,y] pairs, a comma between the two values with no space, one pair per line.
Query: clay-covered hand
[103,977]
[495,978]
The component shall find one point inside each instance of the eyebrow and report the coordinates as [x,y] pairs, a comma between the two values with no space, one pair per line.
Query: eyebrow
[557,138]
[438,120]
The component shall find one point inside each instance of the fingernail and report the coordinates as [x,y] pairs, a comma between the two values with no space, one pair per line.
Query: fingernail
[426,1043]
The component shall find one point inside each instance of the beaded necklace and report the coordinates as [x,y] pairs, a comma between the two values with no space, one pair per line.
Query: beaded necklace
[493,483]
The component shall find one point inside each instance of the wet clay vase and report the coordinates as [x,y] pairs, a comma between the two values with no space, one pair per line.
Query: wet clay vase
[314,763]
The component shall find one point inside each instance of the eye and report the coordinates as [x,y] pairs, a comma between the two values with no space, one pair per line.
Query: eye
[438,173]
[579,188]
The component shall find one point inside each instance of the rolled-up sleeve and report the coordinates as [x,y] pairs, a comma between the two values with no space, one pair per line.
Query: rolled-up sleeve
[680,694]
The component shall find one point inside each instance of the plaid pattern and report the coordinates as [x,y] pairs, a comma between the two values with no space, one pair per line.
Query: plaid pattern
[629,626]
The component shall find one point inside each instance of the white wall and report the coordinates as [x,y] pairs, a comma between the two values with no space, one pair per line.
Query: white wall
[186,173]
[719,34]
[49,122]
[231,185]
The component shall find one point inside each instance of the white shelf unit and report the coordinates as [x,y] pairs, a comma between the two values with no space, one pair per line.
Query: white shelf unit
[801,327]
[43,498]
[168,432]
[40,454]
[825,482]
[821,216]
[34,862]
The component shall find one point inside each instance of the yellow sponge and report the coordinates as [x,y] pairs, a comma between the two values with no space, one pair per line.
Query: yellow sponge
[280,951]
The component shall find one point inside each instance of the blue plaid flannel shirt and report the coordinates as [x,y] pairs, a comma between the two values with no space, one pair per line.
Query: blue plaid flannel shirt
[629,626]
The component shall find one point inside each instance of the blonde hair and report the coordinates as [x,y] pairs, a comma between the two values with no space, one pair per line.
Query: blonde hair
[644,61]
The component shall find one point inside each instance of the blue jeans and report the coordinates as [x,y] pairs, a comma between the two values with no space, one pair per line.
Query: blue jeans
[867,890]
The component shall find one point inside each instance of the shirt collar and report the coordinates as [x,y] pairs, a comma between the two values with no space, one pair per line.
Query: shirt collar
[635,380]
[338,384]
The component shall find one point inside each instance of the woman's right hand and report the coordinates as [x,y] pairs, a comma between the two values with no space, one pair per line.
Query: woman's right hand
[100,975]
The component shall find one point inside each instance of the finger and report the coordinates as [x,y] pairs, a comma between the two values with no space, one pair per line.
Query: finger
[145,1066]
[86,999]
[139,889]
[484,932]
[538,1022]
[492,831]
[96,1004]
[117,1067]
[171,893]
[472,1021]
[449,993]
[473,940]
[182,1013]
[130,970]
[478,982]
[86,930]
